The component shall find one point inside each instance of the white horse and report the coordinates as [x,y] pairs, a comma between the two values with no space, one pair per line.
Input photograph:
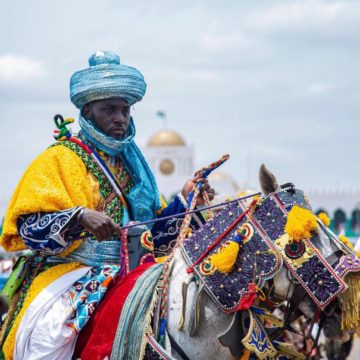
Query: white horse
[204,344]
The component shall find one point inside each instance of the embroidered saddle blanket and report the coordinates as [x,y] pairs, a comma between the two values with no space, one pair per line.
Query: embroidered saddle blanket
[96,340]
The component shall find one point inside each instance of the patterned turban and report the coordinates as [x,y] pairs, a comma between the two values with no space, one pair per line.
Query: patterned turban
[106,78]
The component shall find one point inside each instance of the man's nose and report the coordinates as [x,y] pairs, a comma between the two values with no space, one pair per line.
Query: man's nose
[120,118]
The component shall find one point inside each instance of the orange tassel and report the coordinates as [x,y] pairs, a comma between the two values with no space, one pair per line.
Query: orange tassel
[246,355]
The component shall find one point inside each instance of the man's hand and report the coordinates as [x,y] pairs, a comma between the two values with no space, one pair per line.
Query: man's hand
[99,224]
[205,186]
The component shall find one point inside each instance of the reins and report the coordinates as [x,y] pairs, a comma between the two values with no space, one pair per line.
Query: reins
[194,211]
[192,199]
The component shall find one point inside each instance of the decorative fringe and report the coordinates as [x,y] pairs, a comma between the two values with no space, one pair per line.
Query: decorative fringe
[300,223]
[324,218]
[224,260]
[350,303]
[149,317]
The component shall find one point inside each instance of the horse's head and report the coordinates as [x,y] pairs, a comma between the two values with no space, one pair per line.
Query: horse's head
[277,238]
[317,265]
[268,250]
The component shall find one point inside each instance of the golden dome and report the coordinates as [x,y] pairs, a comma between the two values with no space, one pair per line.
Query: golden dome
[166,138]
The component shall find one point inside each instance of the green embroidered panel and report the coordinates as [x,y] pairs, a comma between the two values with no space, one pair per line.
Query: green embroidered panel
[114,208]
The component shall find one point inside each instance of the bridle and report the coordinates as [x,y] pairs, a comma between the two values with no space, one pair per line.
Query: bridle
[292,312]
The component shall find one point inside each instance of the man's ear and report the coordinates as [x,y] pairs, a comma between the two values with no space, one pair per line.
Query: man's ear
[86,111]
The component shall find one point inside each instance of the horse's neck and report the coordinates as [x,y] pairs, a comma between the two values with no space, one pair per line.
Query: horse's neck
[205,344]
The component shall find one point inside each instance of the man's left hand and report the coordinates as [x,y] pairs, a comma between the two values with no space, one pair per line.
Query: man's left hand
[205,186]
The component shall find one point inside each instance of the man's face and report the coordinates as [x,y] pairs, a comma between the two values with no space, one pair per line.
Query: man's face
[111,116]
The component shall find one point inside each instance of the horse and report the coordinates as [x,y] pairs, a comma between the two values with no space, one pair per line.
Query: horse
[205,344]
[213,314]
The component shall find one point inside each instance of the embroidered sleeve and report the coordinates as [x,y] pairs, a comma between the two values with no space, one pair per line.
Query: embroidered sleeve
[165,232]
[49,233]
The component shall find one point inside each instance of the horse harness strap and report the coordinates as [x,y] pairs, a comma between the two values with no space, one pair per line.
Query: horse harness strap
[294,302]
[195,315]
[296,299]
[271,299]
[184,290]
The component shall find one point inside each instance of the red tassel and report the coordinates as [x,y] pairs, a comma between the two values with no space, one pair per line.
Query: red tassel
[247,301]
[189,270]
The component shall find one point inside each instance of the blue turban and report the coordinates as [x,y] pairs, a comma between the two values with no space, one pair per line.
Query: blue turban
[106,78]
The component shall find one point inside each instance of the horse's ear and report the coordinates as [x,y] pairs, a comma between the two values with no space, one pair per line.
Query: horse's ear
[268,182]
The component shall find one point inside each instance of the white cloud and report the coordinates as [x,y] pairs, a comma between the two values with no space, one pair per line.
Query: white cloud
[320,89]
[206,76]
[20,68]
[222,42]
[300,15]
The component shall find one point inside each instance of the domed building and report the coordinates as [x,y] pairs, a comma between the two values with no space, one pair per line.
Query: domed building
[171,160]
[166,137]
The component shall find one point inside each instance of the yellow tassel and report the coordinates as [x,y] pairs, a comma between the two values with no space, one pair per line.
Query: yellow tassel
[224,260]
[324,218]
[300,223]
[246,355]
[346,241]
[350,303]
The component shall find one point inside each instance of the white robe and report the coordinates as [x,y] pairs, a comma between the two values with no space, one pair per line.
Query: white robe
[42,332]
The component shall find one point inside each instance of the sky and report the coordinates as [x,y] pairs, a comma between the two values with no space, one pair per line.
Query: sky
[274,82]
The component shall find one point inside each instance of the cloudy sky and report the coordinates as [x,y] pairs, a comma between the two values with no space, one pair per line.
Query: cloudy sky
[274,82]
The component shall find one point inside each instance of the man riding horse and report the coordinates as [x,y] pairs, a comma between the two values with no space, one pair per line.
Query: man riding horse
[69,208]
